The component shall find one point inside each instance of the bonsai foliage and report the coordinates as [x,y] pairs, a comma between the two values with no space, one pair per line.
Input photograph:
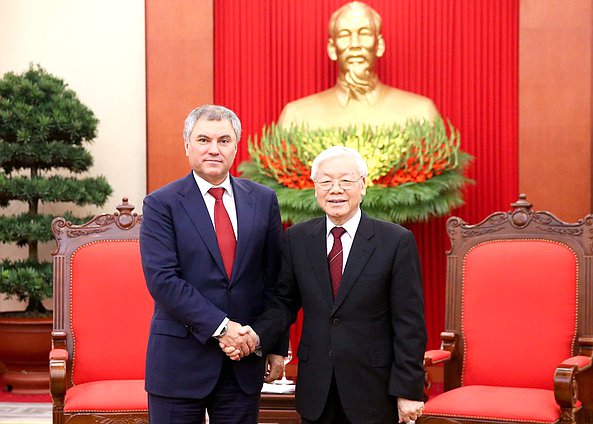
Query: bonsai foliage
[416,170]
[43,127]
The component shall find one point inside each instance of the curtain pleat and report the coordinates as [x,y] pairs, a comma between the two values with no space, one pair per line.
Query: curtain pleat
[461,53]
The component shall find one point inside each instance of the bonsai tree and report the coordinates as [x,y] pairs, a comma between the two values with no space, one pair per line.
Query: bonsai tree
[43,126]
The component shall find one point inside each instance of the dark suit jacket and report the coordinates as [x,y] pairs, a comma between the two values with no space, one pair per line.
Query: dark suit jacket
[372,337]
[186,277]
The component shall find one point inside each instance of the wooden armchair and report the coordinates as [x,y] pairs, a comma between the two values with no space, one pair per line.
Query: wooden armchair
[519,338]
[102,315]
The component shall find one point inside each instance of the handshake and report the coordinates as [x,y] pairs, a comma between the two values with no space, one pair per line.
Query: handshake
[239,341]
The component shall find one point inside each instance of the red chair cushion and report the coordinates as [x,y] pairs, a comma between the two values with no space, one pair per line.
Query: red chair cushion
[519,312]
[496,403]
[108,395]
[110,312]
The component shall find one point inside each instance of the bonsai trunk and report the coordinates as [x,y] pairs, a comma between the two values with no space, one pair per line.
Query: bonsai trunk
[34,304]
[33,211]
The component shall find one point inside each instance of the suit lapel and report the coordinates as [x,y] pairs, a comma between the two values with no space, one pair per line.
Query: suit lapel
[361,250]
[245,206]
[193,203]
[318,256]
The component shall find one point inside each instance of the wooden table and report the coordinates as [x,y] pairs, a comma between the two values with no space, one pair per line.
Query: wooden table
[278,409]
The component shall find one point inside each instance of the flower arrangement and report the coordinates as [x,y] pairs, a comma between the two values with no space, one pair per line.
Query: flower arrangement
[415,170]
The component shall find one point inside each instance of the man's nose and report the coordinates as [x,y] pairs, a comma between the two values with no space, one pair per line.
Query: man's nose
[335,188]
[354,40]
[213,148]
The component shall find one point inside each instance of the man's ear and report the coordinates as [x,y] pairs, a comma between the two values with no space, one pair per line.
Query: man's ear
[331,50]
[380,46]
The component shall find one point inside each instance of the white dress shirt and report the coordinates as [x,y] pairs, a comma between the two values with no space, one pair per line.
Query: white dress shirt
[229,204]
[347,238]
[227,199]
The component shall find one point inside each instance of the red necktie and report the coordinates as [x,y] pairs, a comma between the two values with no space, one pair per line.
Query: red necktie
[224,231]
[335,259]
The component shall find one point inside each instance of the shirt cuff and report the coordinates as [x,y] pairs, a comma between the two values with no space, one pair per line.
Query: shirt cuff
[220,327]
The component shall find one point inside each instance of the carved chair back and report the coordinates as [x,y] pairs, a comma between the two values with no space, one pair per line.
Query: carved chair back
[102,311]
[518,345]
[518,295]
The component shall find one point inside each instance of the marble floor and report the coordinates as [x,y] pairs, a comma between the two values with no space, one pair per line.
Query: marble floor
[25,413]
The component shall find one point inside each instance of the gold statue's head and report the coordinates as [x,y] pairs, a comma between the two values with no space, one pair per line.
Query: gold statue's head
[355,39]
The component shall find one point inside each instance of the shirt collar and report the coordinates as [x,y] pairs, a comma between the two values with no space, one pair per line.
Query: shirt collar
[350,226]
[204,185]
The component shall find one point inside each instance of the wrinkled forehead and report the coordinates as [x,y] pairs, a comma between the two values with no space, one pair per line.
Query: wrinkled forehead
[213,128]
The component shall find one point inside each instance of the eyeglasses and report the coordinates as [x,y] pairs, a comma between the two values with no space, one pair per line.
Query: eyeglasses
[326,185]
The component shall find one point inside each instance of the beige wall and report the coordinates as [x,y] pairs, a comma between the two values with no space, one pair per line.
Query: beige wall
[98,48]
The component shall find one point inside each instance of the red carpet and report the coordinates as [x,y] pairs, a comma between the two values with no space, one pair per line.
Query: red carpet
[6,396]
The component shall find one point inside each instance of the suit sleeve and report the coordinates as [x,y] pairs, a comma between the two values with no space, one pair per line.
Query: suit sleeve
[161,267]
[407,306]
[282,308]
[272,268]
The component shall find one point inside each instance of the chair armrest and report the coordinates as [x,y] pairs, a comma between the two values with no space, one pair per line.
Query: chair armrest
[433,357]
[581,362]
[58,355]
[565,382]
[446,352]
[57,373]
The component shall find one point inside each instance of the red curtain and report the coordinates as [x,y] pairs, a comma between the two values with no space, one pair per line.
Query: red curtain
[461,53]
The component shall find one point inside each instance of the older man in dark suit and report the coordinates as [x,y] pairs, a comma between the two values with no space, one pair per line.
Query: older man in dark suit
[210,251]
[358,282]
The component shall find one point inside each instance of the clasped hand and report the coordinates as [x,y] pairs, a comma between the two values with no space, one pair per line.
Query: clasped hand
[239,341]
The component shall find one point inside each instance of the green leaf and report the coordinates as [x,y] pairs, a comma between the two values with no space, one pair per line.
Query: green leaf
[44,156]
[84,191]
[24,229]
[26,280]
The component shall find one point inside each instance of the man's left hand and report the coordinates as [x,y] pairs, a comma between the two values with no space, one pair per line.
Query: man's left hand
[409,410]
[274,367]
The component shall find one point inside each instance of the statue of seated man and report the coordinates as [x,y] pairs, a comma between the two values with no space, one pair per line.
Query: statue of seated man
[355,42]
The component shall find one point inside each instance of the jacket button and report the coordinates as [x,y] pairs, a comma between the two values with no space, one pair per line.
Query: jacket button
[331,353]
[336,321]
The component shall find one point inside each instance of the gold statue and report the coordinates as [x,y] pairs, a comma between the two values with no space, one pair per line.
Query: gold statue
[355,42]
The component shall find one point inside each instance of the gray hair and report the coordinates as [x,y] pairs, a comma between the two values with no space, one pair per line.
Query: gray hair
[336,151]
[211,113]
[354,4]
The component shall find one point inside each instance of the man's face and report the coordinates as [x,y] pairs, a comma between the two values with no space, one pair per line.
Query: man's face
[355,41]
[338,203]
[211,149]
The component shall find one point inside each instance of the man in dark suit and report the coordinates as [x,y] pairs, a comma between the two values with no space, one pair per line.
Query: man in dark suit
[210,248]
[359,284]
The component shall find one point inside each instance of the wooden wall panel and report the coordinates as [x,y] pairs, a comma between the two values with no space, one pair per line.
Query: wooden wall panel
[555,105]
[179,77]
